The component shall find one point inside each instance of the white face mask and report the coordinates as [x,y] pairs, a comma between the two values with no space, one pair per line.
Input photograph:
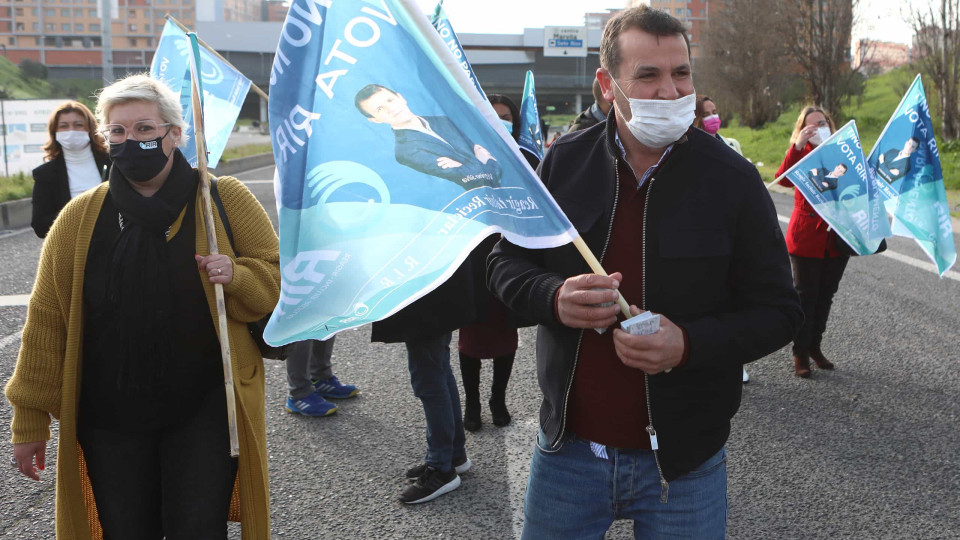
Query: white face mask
[73,140]
[657,123]
[823,133]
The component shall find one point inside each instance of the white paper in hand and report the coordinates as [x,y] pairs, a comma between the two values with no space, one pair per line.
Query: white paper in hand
[643,324]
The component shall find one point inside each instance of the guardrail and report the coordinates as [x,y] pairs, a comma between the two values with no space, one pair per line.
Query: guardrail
[17,214]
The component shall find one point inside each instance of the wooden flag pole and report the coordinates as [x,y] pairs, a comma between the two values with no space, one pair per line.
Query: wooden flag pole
[201,144]
[597,269]
[212,51]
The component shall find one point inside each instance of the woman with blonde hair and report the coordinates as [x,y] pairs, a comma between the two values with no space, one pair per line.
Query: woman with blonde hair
[817,264]
[76,159]
[120,342]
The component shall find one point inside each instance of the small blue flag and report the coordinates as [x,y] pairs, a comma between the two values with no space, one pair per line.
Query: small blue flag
[391,167]
[835,180]
[531,137]
[224,90]
[449,37]
[908,175]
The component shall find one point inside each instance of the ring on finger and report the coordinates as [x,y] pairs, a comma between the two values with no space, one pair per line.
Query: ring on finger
[219,271]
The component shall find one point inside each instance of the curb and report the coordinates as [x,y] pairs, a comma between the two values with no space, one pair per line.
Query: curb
[229,168]
[17,214]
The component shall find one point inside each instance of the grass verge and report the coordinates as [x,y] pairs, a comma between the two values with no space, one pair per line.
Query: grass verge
[17,186]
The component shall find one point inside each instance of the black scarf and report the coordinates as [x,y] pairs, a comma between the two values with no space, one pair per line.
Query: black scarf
[139,288]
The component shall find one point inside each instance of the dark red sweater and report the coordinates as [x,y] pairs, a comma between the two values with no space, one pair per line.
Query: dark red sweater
[608,403]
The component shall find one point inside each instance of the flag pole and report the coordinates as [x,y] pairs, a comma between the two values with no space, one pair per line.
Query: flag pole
[213,51]
[212,244]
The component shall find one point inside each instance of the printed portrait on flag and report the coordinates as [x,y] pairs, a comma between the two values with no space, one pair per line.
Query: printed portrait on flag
[391,167]
[906,163]
[836,181]
[432,145]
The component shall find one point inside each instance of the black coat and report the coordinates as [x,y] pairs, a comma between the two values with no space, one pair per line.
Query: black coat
[457,302]
[51,190]
[714,262]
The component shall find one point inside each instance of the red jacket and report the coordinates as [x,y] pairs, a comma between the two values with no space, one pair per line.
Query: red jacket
[807,234]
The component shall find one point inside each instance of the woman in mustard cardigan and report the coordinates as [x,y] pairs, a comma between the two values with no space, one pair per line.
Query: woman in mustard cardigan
[121,345]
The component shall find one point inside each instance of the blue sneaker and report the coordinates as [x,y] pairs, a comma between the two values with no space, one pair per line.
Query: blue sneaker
[333,388]
[312,405]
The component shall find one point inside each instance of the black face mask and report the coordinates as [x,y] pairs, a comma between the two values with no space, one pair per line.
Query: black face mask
[139,161]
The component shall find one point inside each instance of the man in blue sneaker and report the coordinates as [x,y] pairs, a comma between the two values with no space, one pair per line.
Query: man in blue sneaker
[310,379]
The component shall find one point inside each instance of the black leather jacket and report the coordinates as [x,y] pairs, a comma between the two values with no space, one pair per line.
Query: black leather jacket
[714,262]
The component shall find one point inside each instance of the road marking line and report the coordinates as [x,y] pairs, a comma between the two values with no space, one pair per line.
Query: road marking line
[9,339]
[905,259]
[14,300]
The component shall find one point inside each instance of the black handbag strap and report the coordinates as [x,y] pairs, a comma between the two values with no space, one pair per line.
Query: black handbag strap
[215,195]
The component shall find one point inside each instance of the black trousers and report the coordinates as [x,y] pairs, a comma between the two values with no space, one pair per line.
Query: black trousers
[172,483]
[816,280]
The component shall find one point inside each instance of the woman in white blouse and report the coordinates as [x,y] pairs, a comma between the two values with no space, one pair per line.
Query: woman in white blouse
[76,159]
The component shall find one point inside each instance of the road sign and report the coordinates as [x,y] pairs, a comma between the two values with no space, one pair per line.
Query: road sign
[565,41]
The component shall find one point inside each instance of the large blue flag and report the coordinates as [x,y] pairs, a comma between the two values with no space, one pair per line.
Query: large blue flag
[908,174]
[449,37]
[224,90]
[531,137]
[836,181]
[391,167]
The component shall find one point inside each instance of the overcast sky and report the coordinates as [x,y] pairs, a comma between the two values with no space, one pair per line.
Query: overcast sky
[880,19]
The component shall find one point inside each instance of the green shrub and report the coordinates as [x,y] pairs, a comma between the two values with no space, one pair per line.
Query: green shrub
[14,187]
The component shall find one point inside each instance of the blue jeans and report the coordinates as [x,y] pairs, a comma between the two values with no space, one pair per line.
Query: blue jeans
[573,494]
[433,382]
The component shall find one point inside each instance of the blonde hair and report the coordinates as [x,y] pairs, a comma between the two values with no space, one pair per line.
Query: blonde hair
[802,120]
[140,87]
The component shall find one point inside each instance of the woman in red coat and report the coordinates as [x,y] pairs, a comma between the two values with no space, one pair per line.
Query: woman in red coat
[817,265]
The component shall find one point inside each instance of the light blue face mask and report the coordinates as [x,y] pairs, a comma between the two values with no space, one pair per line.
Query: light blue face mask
[508,124]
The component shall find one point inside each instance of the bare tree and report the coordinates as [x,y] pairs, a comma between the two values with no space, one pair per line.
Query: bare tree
[817,35]
[742,62]
[937,45]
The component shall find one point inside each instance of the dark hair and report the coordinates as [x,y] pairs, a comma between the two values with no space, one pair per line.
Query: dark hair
[644,18]
[698,120]
[514,111]
[914,139]
[366,93]
[52,148]
[597,91]
[844,165]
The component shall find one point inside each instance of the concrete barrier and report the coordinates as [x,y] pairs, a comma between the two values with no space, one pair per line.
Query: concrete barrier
[17,214]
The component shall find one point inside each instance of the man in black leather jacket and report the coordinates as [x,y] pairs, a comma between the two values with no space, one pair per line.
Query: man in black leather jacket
[690,233]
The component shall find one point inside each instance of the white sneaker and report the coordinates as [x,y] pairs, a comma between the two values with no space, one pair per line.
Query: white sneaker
[746,376]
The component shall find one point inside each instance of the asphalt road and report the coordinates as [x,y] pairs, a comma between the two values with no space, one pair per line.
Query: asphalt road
[869,451]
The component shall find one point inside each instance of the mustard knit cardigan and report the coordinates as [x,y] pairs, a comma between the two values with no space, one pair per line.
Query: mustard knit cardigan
[46,381]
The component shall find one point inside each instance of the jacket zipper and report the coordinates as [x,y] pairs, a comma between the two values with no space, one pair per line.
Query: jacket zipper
[576,358]
[664,486]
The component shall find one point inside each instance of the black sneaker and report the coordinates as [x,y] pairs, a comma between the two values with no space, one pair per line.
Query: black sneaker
[461,465]
[431,484]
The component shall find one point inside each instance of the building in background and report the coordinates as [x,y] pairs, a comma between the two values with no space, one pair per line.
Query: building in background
[694,13]
[879,56]
[66,35]
[596,21]
[275,10]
